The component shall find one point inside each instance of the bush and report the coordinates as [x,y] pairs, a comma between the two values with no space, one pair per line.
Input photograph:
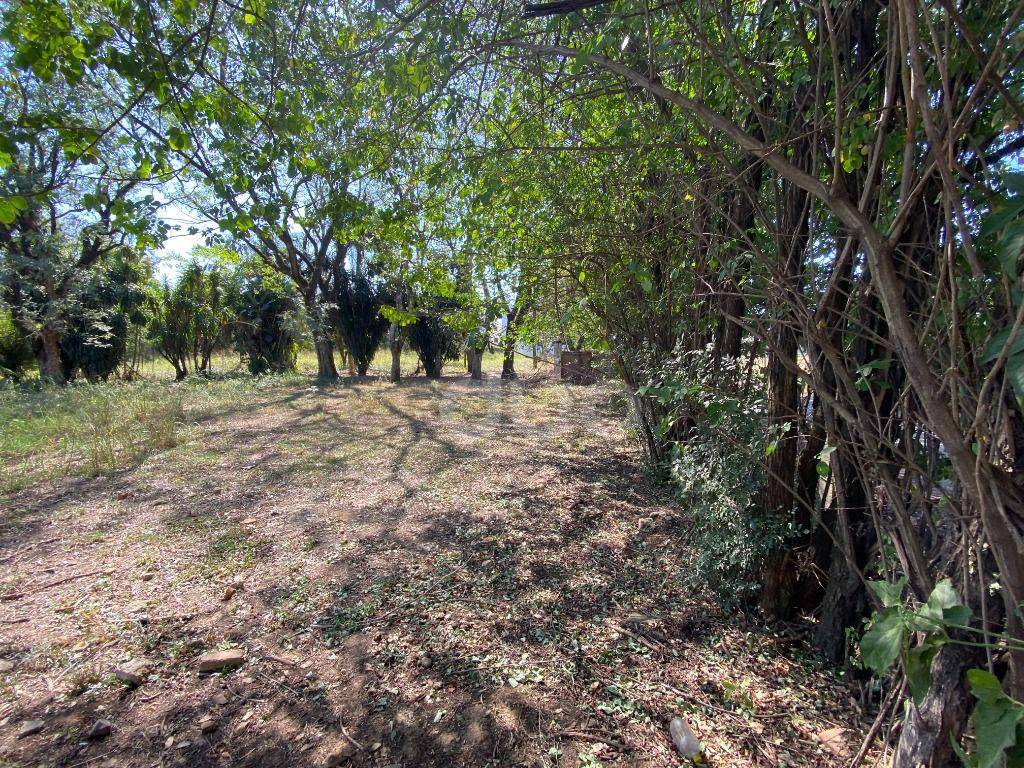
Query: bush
[434,341]
[110,302]
[358,318]
[190,320]
[267,325]
[716,463]
[15,351]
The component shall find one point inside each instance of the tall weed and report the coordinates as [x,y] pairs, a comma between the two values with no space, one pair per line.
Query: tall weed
[89,429]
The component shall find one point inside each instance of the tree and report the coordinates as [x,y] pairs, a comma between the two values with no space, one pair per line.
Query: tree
[434,340]
[359,318]
[190,320]
[267,324]
[108,306]
[71,195]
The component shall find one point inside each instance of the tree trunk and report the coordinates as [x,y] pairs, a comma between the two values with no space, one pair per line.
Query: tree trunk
[777,497]
[475,359]
[50,368]
[325,370]
[929,729]
[395,343]
[508,364]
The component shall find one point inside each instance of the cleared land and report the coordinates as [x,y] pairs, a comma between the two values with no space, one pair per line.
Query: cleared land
[430,574]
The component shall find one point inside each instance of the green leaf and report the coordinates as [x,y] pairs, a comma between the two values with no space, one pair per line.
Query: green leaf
[888,593]
[1012,246]
[995,346]
[823,457]
[996,718]
[178,139]
[984,685]
[919,670]
[10,207]
[880,646]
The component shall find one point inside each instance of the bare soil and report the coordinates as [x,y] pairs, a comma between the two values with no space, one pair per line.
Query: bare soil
[430,574]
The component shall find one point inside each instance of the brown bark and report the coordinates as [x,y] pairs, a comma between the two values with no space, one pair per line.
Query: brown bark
[930,727]
[50,368]
[508,364]
[778,498]
[395,344]
[325,370]
[474,359]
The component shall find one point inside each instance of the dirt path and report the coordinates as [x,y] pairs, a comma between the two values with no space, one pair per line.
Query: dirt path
[436,574]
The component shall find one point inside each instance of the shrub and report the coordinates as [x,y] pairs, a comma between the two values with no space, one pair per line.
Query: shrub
[358,317]
[191,319]
[267,325]
[434,341]
[15,350]
[108,304]
[716,463]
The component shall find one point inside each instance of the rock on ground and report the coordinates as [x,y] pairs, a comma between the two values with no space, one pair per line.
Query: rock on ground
[216,660]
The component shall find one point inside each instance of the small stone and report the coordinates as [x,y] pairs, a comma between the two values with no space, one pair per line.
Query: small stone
[215,660]
[341,754]
[221,699]
[375,746]
[208,724]
[100,729]
[6,666]
[425,662]
[594,685]
[133,672]
[834,740]
[228,594]
[147,576]
[169,743]
[30,728]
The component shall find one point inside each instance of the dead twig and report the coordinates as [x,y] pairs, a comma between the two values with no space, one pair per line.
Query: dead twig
[56,583]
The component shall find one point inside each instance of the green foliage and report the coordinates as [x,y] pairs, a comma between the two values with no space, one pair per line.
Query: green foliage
[1004,226]
[998,719]
[109,303]
[434,340]
[15,350]
[716,478]
[998,724]
[267,324]
[358,316]
[191,319]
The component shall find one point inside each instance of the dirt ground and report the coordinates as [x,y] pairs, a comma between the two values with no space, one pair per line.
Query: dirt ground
[431,574]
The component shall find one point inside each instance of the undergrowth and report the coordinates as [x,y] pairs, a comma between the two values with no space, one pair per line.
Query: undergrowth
[49,432]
